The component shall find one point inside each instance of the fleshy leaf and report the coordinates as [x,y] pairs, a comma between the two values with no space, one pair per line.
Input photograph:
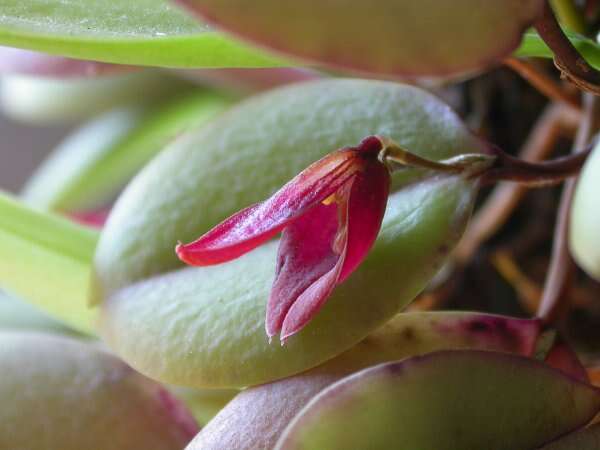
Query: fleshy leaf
[450,400]
[205,326]
[73,396]
[140,32]
[204,404]
[584,222]
[46,101]
[399,37]
[90,167]
[261,413]
[46,260]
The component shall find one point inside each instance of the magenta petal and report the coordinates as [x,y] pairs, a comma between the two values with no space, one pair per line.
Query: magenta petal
[305,255]
[253,226]
[366,208]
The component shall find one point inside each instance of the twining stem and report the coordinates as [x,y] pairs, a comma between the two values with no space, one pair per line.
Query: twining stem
[555,122]
[566,57]
[542,82]
[46,260]
[534,174]
[562,267]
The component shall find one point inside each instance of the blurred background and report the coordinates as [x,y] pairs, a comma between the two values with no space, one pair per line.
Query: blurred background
[22,148]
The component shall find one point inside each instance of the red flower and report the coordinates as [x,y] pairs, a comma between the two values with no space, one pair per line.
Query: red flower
[330,215]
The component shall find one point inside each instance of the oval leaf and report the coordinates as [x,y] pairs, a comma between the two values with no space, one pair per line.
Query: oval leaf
[90,167]
[261,413]
[585,217]
[451,400]
[140,32]
[67,395]
[399,37]
[205,326]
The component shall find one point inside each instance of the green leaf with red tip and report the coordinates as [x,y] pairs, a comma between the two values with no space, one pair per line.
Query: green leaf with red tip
[89,168]
[451,400]
[400,37]
[63,394]
[205,326]
[586,439]
[261,413]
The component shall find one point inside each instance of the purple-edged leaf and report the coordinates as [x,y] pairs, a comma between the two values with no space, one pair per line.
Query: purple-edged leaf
[25,62]
[260,414]
[563,357]
[392,37]
[61,393]
[586,439]
[450,400]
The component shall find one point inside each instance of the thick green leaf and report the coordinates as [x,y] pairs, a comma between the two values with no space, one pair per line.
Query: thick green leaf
[50,101]
[586,439]
[261,413]
[584,224]
[46,260]
[139,32]
[93,164]
[59,393]
[451,400]
[205,326]
[390,37]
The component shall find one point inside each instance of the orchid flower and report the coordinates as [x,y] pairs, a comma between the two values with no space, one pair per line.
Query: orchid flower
[329,216]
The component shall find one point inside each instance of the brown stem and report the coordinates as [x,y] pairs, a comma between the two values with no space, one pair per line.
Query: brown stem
[534,174]
[555,122]
[566,57]
[542,82]
[562,267]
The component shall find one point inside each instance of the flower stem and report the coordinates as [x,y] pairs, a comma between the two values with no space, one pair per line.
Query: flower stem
[491,167]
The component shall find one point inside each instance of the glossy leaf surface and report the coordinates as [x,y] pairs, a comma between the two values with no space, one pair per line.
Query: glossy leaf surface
[64,394]
[451,400]
[261,413]
[584,227]
[205,326]
[400,37]
[90,167]
[140,32]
